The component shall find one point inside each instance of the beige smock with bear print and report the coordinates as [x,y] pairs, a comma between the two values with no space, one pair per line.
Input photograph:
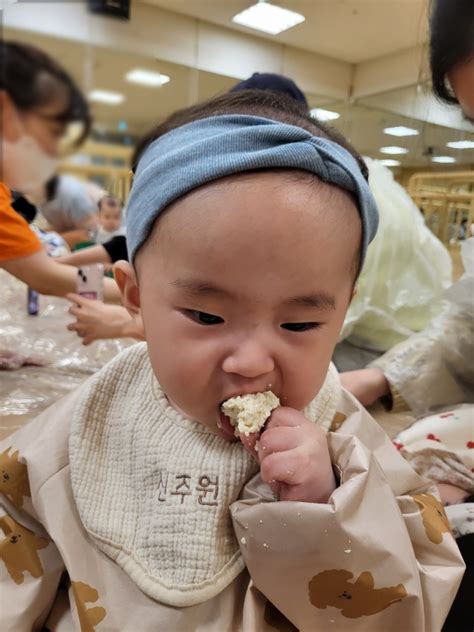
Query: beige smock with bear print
[379,555]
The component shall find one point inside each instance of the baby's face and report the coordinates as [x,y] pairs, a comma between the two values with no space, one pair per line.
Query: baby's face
[243,287]
[110,217]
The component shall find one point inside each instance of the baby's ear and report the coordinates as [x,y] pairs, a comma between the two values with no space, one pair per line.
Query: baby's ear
[127,282]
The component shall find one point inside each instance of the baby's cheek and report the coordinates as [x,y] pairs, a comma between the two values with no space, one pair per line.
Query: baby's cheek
[303,388]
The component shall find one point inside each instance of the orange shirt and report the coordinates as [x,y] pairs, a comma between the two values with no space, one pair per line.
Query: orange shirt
[16,237]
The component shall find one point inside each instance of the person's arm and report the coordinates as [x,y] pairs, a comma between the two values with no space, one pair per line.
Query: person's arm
[96,321]
[367,385]
[380,550]
[86,256]
[47,276]
[433,368]
[31,564]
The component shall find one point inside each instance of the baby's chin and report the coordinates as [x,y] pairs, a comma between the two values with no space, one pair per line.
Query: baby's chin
[223,435]
[220,427]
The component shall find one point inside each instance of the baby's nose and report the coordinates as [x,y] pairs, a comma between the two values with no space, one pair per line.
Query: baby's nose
[249,359]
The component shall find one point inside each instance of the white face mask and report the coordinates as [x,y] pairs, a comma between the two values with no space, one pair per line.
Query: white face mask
[25,165]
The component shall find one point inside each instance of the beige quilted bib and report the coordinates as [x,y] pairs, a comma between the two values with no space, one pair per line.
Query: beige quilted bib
[153,489]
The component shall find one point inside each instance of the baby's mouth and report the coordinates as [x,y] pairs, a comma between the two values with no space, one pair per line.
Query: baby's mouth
[228,432]
[225,426]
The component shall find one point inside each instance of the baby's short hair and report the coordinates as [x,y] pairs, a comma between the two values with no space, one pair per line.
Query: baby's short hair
[111,200]
[264,103]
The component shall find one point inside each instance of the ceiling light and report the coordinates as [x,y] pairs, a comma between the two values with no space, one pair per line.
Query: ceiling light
[324,115]
[461,144]
[104,96]
[443,159]
[147,77]
[393,150]
[268,18]
[401,130]
[388,162]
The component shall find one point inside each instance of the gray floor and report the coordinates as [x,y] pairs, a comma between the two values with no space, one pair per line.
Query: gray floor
[348,357]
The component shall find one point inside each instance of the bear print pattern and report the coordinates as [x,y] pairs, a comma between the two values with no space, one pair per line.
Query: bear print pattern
[88,617]
[357,599]
[19,550]
[434,518]
[13,478]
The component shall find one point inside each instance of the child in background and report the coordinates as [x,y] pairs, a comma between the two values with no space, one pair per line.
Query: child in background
[109,218]
[67,204]
[247,225]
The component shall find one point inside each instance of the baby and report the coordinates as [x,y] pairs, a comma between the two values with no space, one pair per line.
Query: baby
[247,225]
[109,219]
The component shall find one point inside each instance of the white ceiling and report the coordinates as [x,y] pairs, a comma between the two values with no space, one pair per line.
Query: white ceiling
[365,28]
[364,125]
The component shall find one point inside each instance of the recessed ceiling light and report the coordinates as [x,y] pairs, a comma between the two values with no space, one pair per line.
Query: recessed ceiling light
[105,96]
[401,130]
[443,159]
[461,144]
[324,115]
[393,150]
[389,162]
[147,77]
[268,18]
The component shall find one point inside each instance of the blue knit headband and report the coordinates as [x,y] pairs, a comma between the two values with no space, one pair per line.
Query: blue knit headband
[218,146]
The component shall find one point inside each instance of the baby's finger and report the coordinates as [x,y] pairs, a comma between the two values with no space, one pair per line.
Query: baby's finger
[276,488]
[282,467]
[292,492]
[279,439]
[285,416]
[249,441]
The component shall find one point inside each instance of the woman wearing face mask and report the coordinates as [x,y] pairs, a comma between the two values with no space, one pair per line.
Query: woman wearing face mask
[38,101]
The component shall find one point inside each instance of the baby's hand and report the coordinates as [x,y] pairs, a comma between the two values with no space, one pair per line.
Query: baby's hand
[294,457]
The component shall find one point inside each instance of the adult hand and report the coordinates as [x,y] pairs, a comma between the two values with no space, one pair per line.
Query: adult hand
[294,457]
[367,385]
[97,321]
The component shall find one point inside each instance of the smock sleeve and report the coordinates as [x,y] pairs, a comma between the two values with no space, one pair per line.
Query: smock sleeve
[434,368]
[30,563]
[379,553]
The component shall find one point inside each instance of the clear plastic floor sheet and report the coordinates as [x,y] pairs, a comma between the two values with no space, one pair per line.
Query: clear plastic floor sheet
[26,391]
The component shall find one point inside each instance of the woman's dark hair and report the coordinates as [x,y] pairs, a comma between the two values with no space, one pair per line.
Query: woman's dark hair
[51,187]
[265,103]
[28,75]
[451,41]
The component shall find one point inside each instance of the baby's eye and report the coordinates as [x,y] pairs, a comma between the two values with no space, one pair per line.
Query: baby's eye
[203,318]
[300,326]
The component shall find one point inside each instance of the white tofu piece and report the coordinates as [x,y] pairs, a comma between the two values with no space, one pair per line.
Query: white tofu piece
[248,413]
